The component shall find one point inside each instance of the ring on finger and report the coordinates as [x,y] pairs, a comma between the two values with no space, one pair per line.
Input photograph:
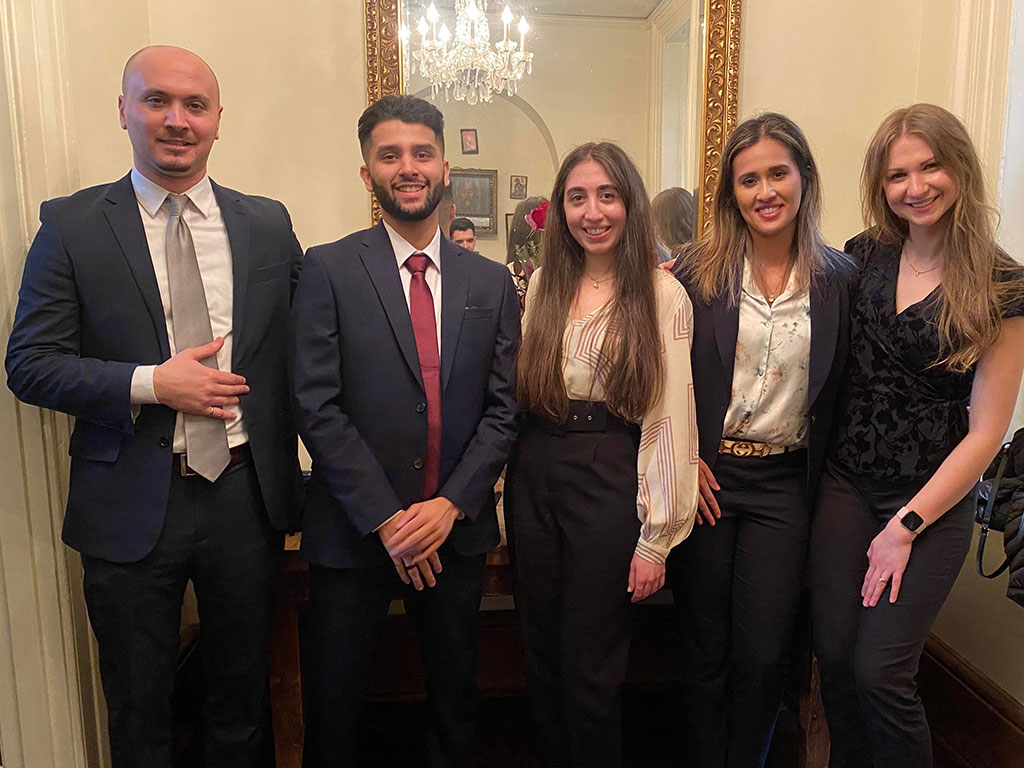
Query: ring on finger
[211,410]
[882,580]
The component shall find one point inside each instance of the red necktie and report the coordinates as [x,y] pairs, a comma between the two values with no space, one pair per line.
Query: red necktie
[424,326]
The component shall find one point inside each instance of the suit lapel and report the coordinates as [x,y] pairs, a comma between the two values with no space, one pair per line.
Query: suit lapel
[824,330]
[726,318]
[237,222]
[122,213]
[378,259]
[454,291]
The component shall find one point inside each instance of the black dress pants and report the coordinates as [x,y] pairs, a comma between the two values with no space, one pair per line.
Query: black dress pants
[736,586]
[218,535]
[572,520]
[868,657]
[345,613]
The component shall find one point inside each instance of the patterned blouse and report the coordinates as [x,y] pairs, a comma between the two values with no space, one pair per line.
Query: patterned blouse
[898,416]
[769,380]
[667,461]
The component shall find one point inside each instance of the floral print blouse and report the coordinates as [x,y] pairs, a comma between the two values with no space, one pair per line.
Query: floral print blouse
[771,367]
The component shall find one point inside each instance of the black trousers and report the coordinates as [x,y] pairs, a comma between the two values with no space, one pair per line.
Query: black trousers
[868,657]
[572,520]
[345,613]
[736,586]
[217,535]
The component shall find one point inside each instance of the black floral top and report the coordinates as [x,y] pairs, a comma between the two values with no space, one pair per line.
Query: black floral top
[898,417]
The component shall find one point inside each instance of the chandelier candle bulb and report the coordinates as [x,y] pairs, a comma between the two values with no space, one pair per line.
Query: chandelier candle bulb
[506,20]
[523,28]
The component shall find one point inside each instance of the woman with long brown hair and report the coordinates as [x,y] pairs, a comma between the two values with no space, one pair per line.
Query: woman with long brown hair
[770,306]
[602,482]
[936,326]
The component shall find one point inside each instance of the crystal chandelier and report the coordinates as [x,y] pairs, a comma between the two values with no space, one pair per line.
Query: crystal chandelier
[469,69]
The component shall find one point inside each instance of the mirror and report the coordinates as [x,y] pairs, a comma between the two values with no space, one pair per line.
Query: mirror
[658,78]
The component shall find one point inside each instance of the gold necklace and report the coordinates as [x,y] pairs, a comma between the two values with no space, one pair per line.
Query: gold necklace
[772,295]
[915,270]
[595,282]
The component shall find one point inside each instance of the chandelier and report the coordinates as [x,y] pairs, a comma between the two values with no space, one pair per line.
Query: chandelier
[469,69]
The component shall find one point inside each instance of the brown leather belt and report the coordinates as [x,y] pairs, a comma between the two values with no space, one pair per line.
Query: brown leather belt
[179,465]
[744,448]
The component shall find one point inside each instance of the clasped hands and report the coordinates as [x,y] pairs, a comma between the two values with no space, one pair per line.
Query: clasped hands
[413,536]
[185,384]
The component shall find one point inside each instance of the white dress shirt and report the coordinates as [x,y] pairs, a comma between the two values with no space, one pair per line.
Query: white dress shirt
[403,250]
[213,252]
[771,367]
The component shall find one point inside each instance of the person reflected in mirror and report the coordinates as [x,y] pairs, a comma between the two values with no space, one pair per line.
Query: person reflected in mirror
[446,212]
[403,349]
[463,233]
[603,478]
[770,336]
[674,220]
[936,327]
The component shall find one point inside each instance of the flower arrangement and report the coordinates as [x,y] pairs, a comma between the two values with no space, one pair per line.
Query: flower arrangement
[527,255]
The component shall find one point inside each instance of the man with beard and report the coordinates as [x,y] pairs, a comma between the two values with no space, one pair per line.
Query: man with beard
[403,355]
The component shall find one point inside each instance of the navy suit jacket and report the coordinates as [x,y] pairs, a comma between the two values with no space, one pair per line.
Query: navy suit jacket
[89,312]
[713,354]
[361,406]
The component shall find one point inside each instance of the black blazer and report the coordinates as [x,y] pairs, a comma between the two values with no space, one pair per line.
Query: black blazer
[713,353]
[361,404]
[89,312]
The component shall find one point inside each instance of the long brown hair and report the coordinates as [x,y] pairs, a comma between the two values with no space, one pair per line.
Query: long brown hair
[715,263]
[974,285]
[629,364]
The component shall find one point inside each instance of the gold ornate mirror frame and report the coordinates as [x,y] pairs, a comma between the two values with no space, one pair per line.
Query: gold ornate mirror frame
[721,77]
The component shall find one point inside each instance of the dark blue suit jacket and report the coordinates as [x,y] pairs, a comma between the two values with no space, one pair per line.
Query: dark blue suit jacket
[89,312]
[713,354]
[361,406]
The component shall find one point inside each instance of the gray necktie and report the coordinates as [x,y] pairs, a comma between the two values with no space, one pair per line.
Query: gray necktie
[206,440]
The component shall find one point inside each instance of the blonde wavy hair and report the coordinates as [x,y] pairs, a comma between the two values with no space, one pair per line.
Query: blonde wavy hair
[977,280]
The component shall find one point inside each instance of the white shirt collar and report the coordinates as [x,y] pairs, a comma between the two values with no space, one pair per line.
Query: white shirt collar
[151,195]
[403,248]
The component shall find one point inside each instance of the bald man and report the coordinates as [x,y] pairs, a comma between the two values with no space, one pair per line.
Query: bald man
[154,310]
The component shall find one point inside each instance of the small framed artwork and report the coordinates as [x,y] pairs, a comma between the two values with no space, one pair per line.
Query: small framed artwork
[517,187]
[469,142]
[508,224]
[475,194]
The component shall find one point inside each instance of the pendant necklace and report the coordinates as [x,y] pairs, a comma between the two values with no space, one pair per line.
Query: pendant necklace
[772,295]
[597,283]
[915,270]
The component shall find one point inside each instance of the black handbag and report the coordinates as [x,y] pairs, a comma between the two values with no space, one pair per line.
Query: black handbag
[1003,479]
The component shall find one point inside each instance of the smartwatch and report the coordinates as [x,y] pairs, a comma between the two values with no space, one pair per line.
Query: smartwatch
[912,521]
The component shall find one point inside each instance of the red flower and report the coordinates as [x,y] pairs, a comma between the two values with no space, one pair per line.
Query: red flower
[537,217]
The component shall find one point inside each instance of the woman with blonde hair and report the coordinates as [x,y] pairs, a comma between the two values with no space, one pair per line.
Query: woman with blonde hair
[602,482]
[770,328]
[936,326]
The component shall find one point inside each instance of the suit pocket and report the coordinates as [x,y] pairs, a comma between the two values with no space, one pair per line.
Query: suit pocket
[95,442]
[478,313]
[271,272]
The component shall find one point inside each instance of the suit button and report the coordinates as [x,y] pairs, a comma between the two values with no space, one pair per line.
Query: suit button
[164,442]
[813,419]
[417,464]
[421,407]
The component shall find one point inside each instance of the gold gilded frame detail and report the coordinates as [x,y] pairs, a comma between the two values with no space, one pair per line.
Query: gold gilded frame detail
[721,79]
[721,93]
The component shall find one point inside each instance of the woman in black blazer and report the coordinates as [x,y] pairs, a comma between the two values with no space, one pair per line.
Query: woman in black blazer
[770,327]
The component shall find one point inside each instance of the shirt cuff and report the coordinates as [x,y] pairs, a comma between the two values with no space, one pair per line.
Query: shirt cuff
[142,392]
[377,529]
[652,553]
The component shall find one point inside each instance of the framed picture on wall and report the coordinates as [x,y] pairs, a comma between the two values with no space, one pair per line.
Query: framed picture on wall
[517,187]
[508,224]
[475,194]
[469,143]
